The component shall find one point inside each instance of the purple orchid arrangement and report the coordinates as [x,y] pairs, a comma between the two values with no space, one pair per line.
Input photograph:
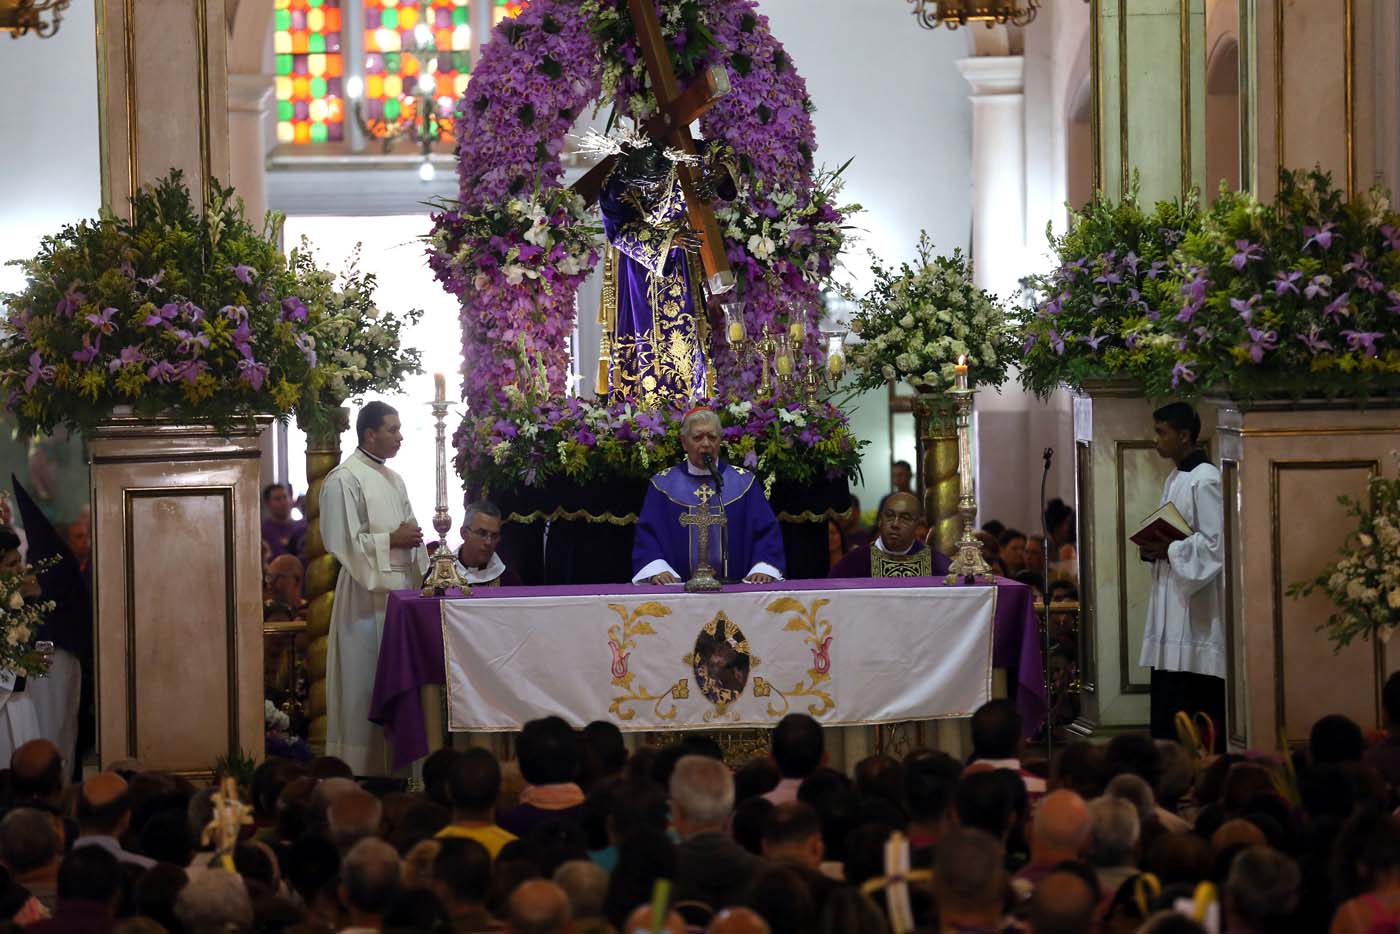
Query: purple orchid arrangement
[182,312]
[515,247]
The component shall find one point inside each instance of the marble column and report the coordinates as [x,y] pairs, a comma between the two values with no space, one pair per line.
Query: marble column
[998,169]
[163,94]
[1312,80]
[1148,59]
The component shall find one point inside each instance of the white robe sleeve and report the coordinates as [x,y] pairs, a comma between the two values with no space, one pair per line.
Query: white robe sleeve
[1197,559]
[420,554]
[345,531]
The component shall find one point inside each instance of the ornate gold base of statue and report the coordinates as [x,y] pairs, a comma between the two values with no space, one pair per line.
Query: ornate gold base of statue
[968,565]
[442,571]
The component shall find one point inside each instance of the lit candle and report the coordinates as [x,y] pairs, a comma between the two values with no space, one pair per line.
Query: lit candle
[736,332]
[835,364]
[784,365]
[439,388]
[797,331]
[960,374]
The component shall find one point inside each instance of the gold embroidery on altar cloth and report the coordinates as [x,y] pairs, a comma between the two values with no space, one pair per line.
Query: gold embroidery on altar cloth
[884,564]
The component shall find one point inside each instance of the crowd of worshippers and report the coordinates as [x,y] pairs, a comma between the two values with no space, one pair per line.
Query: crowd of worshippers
[575,835]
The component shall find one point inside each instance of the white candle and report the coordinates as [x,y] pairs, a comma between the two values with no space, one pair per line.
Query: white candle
[960,374]
[439,388]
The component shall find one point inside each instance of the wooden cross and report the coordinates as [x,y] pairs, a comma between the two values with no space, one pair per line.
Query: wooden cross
[701,520]
[677,109]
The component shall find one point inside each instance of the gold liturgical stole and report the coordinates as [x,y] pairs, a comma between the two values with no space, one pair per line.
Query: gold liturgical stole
[884,564]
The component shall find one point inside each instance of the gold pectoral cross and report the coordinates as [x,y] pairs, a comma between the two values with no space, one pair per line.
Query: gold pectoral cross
[702,518]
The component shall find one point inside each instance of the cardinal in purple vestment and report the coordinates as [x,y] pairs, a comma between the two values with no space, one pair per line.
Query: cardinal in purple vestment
[667,551]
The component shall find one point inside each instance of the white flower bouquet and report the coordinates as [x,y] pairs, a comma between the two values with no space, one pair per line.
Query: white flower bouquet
[918,321]
[19,624]
[1364,583]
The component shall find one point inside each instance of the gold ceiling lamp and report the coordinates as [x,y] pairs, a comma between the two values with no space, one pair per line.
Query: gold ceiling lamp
[40,17]
[954,13]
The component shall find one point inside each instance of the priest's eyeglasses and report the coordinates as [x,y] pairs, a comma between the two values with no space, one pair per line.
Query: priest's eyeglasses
[486,536]
[900,517]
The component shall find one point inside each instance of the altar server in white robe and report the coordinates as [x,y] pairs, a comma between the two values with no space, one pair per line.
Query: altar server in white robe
[1184,641]
[367,523]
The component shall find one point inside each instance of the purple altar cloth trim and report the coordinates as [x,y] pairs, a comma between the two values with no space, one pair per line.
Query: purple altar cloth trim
[411,652]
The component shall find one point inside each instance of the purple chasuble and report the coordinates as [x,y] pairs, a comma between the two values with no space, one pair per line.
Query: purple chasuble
[751,534]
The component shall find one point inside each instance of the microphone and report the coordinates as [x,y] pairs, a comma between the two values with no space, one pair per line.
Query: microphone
[714,471]
[1048,455]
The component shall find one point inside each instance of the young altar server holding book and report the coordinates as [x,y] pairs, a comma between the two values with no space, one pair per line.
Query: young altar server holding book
[665,548]
[1184,641]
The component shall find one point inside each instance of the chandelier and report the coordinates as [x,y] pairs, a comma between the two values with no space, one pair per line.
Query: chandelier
[22,16]
[422,113]
[954,13]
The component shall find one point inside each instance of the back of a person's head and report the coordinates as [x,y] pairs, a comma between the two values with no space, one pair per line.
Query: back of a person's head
[1262,888]
[704,789]
[1135,791]
[1134,754]
[214,900]
[1178,772]
[790,822]
[474,781]
[738,919]
[28,840]
[1062,823]
[1365,852]
[798,745]
[415,910]
[604,752]
[996,730]
[90,873]
[155,893]
[782,896]
[268,781]
[36,770]
[984,802]
[931,785]
[1243,782]
[312,862]
[756,777]
[354,817]
[846,911]
[1115,832]
[103,804]
[968,870]
[1335,739]
[463,870]
[746,823]
[323,767]
[586,884]
[547,752]
[1063,903]
[255,862]
[538,906]
[1167,921]
[643,856]
[1080,766]
[370,875]
[420,822]
[436,771]
[1178,857]
[831,794]
[639,803]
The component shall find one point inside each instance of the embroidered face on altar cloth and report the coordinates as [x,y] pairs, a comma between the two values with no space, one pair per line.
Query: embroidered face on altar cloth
[721,661]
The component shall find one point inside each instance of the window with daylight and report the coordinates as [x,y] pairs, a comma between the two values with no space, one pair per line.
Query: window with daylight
[310,66]
[343,62]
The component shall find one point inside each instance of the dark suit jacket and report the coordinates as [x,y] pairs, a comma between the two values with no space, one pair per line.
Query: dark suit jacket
[712,868]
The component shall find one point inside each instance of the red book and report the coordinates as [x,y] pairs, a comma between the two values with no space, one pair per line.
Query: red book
[1165,525]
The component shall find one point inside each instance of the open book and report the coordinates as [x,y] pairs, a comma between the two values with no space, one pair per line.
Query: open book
[1165,525]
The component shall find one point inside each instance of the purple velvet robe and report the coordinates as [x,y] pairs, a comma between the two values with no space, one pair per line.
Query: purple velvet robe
[751,533]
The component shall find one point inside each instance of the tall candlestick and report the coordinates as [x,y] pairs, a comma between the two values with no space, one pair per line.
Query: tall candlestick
[960,374]
[439,388]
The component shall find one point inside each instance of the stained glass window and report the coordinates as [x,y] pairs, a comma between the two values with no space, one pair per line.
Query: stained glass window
[506,9]
[309,71]
[395,77]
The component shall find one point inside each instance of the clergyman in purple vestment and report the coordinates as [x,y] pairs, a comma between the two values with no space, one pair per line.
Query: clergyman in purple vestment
[751,545]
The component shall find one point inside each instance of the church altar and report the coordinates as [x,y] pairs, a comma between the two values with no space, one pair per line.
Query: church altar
[924,625]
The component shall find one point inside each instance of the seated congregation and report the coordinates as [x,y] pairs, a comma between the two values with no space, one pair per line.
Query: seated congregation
[578,835]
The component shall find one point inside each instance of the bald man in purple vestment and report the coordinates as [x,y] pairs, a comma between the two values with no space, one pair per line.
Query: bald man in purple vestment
[751,543]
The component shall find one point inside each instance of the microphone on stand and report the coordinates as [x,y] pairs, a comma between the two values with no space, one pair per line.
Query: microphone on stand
[713,468]
[1048,455]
